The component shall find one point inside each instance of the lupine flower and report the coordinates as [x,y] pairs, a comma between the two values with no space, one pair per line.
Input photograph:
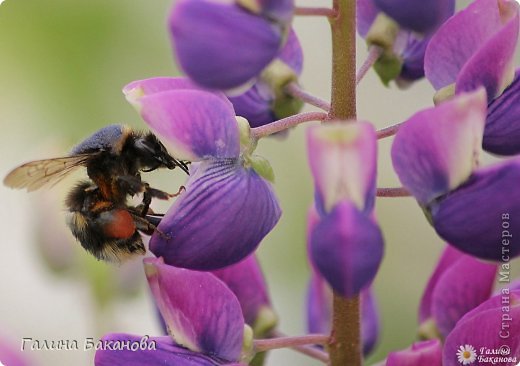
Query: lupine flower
[320,297]
[458,284]
[346,244]
[491,326]
[224,44]
[435,154]
[418,354]
[247,282]
[202,315]
[482,54]
[402,29]
[228,206]
[266,101]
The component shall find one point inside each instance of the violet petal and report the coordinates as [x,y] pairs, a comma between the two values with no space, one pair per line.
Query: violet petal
[200,311]
[264,102]
[483,329]
[319,312]
[436,149]
[247,282]
[482,216]
[279,11]
[342,158]
[462,287]
[136,89]
[255,104]
[11,355]
[366,13]
[413,59]
[195,124]
[446,55]
[492,65]
[419,16]
[319,305]
[449,256]
[347,249]
[221,45]
[418,354]
[502,131]
[166,353]
[221,218]
[370,324]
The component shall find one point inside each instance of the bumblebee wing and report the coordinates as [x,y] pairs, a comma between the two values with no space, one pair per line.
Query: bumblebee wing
[35,174]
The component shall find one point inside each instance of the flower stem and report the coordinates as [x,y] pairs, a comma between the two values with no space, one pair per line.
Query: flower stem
[343,26]
[309,11]
[393,192]
[388,131]
[345,345]
[285,123]
[313,352]
[310,351]
[296,91]
[373,54]
[262,345]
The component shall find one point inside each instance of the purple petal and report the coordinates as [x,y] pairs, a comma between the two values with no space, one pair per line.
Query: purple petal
[413,57]
[347,249]
[11,355]
[280,11]
[319,312]
[492,65]
[196,124]
[419,354]
[166,352]
[291,53]
[343,157]
[419,16]
[369,321]
[463,286]
[256,104]
[366,13]
[221,218]
[489,328]
[446,55]
[232,46]
[262,103]
[449,256]
[247,282]
[436,149]
[507,294]
[157,85]
[474,217]
[319,305]
[136,89]
[502,132]
[200,311]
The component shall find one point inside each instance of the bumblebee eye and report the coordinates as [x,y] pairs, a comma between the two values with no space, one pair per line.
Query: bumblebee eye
[144,146]
[155,150]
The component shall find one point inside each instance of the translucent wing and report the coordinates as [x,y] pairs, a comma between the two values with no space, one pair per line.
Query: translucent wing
[35,174]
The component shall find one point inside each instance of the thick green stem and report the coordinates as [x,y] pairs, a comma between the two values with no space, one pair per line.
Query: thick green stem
[345,347]
[343,103]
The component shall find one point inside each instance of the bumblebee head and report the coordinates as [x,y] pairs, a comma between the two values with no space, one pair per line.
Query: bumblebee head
[152,154]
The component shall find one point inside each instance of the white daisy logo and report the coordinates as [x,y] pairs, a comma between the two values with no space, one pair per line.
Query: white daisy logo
[466,354]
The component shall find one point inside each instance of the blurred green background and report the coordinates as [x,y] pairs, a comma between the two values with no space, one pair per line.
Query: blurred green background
[62,66]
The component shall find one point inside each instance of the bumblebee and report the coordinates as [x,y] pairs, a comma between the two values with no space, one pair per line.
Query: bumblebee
[98,213]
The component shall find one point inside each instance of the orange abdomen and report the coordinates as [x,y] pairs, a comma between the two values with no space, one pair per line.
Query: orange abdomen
[117,224]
